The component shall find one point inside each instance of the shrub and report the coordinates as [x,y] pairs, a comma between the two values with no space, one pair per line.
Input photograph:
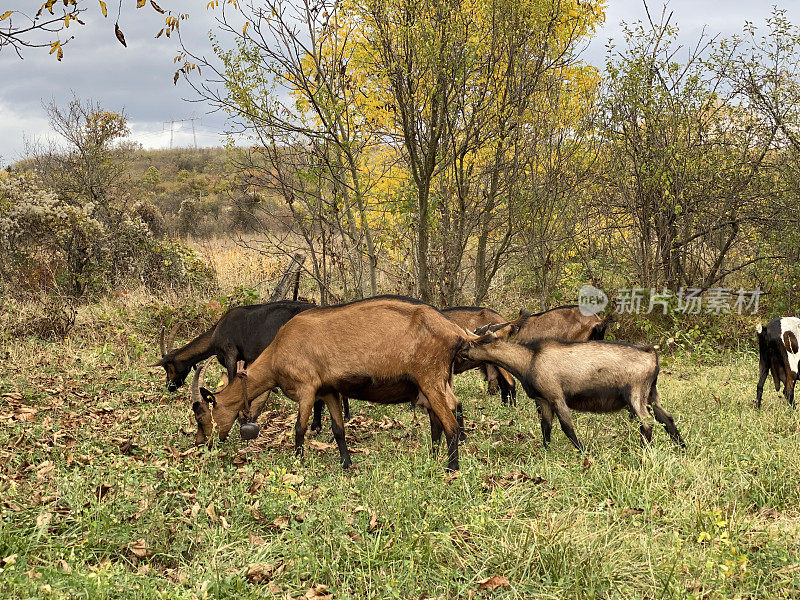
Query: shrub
[52,243]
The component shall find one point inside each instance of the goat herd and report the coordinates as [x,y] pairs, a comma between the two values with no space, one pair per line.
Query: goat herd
[393,349]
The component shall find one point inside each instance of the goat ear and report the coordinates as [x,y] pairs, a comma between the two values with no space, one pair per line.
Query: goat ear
[524,312]
[160,363]
[208,396]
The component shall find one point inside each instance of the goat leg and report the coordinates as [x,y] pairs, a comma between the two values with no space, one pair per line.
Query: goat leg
[763,371]
[316,422]
[565,420]
[458,413]
[305,404]
[546,418]
[789,389]
[346,405]
[436,431]
[337,424]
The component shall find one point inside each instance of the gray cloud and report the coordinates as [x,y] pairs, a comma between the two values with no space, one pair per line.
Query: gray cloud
[138,79]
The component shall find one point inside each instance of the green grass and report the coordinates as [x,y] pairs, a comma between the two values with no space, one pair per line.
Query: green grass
[721,520]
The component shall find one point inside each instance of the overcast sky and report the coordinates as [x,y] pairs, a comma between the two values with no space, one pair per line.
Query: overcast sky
[138,79]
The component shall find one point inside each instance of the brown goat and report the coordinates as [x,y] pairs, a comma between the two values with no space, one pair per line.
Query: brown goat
[563,322]
[385,350]
[471,318]
[592,376]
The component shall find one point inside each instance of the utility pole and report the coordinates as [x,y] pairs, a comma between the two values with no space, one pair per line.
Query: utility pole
[172,122]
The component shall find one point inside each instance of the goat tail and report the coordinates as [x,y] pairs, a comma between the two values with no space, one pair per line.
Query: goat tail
[759,329]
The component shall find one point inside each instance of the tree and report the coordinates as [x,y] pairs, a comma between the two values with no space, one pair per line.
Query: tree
[681,159]
[289,85]
[90,169]
[21,29]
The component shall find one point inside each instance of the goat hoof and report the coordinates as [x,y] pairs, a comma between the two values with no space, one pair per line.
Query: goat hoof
[249,431]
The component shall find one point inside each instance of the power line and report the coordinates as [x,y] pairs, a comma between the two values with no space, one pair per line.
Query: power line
[172,122]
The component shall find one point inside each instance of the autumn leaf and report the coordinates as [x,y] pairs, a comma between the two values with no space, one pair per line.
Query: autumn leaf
[281,522]
[212,516]
[455,475]
[140,3]
[156,7]
[139,548]
[119,35]
[103,8]
[6,14]
[318,592]
[492,583]
[260,572]
[43,520]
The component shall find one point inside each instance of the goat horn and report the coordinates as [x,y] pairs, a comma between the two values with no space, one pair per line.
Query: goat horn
[161,342]
[498,326]
[199,376]
[171,337]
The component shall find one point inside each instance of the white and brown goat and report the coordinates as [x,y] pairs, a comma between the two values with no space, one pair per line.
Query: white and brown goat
[385,350]
[779,353]
[592,376]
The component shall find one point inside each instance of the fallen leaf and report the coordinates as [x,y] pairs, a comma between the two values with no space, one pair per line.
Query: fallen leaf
[354,535]
[212,516]
[44,469]
[320,445]
[103,491]
[492,583]
[256,540]
[281,522]
[373,523]
[139,548]
[453,476]
[43,520]
[10,560]
[318,592]
[259,572]
[292,479]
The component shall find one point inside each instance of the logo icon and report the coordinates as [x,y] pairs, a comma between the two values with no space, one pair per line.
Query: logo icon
[591,300]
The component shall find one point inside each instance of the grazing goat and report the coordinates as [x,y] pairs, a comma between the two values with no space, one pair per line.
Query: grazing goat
[242,333]
[779,352]
[563,322]
[386,349]
[471,318]
[593,376]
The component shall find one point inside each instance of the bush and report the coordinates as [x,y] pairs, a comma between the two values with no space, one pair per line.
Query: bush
[53,244]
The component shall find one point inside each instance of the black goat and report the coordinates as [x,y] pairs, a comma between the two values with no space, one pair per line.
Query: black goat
[242,333]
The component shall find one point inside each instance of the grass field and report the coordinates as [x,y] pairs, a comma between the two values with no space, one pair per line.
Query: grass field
[104,496]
